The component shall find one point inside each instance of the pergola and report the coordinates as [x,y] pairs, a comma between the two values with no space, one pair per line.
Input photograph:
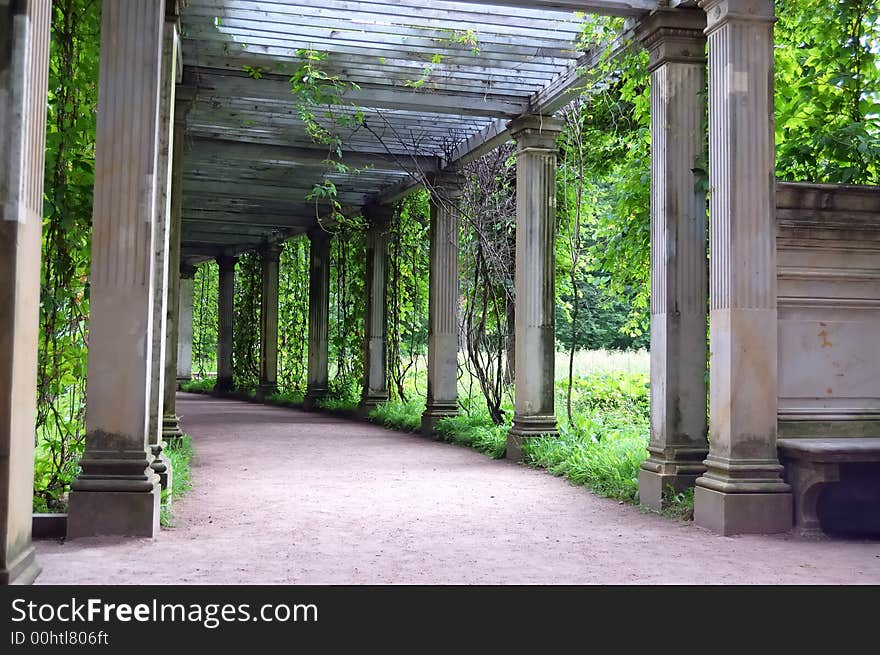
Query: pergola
[202,153]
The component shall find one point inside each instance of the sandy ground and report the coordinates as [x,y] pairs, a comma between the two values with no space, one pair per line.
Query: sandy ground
[282,496]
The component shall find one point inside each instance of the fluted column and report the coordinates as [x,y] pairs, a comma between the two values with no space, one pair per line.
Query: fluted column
[269,260]
[162,245]
[225,313]
[185,323]
[443,291]
[679,265]
[319,313]
[741,490]
[116,492]
[534,411]
[170,421]
[375,389]
[24,54]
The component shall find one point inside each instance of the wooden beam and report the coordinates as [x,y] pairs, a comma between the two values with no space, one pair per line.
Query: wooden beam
[229,150]
[604,7]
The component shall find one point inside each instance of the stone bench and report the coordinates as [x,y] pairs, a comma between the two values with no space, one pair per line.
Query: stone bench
[811,464]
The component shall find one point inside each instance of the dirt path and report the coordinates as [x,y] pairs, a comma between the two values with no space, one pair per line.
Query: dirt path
[282,496]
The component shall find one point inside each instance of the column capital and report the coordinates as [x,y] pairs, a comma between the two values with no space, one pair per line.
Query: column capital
[379,215]
[271,251]
[674,35]
[449,184]
[226,262]
[187,270]
[535,131]
[720,12]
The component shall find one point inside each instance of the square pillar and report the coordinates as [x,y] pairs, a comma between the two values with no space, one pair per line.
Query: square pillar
[742,490]
[116,492]
[443,300]
[319,313]
[269,260]
[375,390]
[679,266]
[535,280]
[185,322]
[24,67]
[225,313]
[162,238]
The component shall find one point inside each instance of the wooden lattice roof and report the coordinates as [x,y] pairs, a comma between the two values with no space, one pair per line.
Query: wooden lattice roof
[437,82]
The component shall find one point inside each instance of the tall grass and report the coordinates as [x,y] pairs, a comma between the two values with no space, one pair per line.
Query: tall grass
[179,453]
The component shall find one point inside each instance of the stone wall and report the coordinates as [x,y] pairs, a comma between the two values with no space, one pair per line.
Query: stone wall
[828,264]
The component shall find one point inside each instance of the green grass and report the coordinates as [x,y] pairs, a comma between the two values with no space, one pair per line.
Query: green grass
[679,505]
[205,385]
[477,431]
[179,453]
[286,398]
[608,463]
[397,415]
[338,404]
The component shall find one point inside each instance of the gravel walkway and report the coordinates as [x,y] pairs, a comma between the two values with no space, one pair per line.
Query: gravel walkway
[282,496]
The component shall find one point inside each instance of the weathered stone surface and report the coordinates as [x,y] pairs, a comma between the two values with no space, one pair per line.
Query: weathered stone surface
[675,41]
[24,52]
[741,490]
[170,421]
[117,491]
[443,292]
[828,272]
[741,513]
[534,412]
[114,513]
[163,238]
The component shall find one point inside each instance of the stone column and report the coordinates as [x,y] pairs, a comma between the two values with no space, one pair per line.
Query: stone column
[741,490]
[24,53]
[534,412]
[443,291]
[170,421]
[116,492]
[269,261]
[319,313]
[162,229]
[185,323]
[225,312]
[679,265]
[375,325]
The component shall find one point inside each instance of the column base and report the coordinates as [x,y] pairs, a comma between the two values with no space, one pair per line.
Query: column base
[371,400]
[162,467]
[171,428]
[654,487]
[266,390]
[674,468]
[526,428]
[23,570]
[434,413]
[113,513]
[314,395]
[742,513]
